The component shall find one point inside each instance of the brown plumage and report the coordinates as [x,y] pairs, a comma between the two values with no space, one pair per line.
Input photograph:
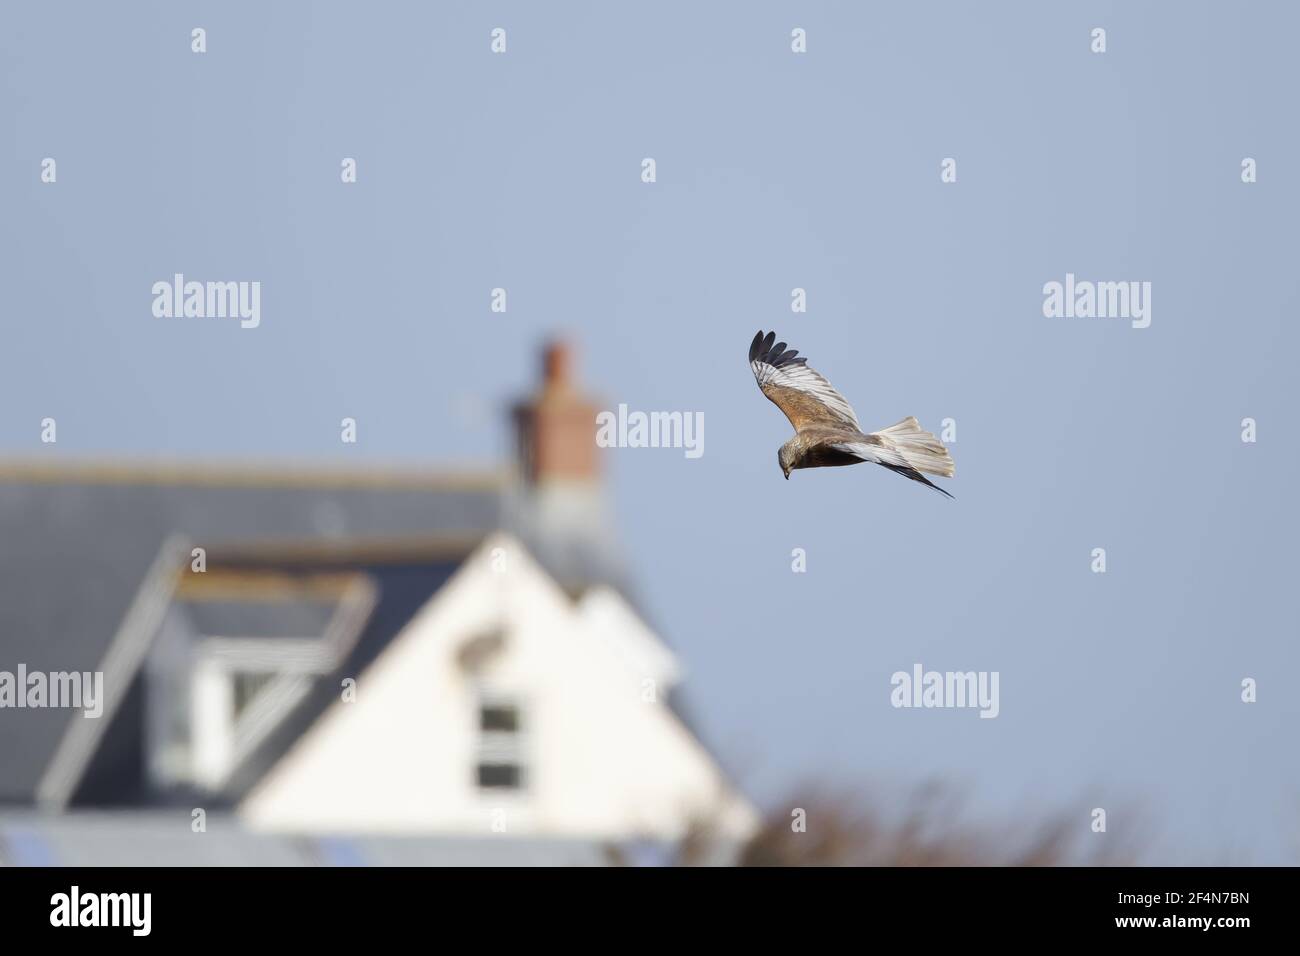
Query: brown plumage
[827,432]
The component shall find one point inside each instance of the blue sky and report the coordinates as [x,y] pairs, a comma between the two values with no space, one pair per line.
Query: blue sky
[774,171]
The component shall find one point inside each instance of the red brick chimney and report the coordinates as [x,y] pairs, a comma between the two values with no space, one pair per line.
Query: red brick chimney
[557,427]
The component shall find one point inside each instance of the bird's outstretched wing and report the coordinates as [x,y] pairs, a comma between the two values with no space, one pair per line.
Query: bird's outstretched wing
[799,391]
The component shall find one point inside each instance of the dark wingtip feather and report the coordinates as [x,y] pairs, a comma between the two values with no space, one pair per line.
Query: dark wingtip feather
[915,476]
[767,350]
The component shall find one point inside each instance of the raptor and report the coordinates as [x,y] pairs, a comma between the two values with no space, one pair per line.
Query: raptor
[826,429]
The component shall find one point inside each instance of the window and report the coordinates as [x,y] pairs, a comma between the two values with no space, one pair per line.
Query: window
[247,686]
[500,763]
[505,776]
[498,717]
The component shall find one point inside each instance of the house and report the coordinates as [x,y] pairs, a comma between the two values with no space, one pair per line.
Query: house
[432,667]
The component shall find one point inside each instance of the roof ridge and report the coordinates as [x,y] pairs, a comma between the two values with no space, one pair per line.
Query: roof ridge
[299,473]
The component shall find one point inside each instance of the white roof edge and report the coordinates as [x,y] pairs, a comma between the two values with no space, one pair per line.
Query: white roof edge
[125,653]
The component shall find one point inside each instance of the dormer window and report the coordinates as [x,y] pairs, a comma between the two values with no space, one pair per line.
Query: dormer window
[237,652]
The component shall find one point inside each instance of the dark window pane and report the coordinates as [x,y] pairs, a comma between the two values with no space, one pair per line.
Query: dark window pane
[505,775]
[499,717]
[246,687]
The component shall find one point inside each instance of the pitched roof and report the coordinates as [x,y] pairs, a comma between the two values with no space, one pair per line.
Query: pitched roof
[400,581]
[78,540]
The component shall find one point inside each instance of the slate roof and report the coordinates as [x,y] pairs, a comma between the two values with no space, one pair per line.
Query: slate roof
[403,578]
[77,541]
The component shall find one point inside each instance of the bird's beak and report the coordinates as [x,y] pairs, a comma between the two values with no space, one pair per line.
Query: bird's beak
[787,476]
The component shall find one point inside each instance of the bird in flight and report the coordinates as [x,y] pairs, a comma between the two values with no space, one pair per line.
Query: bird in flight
[826,431]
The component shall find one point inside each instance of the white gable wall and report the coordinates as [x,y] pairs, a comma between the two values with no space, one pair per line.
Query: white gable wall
[602,760]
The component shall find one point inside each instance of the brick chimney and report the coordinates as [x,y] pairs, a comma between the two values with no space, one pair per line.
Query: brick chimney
[556,428]
[559,507]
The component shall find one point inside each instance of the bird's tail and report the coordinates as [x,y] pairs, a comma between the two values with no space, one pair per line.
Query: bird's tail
[919,450]
[918,447]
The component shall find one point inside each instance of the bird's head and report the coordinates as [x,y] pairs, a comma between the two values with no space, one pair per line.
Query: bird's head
[786,460]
